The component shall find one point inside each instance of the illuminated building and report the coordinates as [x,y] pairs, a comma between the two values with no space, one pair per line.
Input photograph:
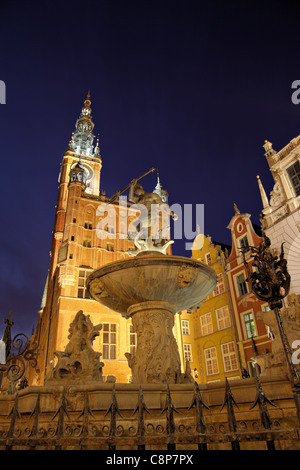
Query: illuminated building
[251,332]
[215,352]
[78,247]
[281,213]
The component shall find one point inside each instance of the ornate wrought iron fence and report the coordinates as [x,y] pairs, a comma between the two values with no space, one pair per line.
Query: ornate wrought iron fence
[19,352]
[170,429]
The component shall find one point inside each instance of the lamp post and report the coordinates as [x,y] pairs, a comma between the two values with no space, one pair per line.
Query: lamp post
[270,282]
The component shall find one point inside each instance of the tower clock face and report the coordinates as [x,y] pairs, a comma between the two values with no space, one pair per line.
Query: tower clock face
[88,172]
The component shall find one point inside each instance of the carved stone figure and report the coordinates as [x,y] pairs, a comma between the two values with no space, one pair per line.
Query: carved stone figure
[78,362]
[274,362]
[97,288]
[186,275]
[157,358]
[277,196]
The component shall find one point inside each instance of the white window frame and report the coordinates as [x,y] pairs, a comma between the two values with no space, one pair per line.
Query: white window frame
[211,361]
[221,282]
[244,324]
[187,352]
[232,363]
[223,316]
[81,284]
[185,327]
[132,334]
[205,324]
[110,344]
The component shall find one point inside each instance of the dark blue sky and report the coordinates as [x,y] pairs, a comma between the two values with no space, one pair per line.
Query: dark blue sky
[191,87]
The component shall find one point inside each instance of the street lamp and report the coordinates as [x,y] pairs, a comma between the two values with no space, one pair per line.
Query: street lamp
[270,282]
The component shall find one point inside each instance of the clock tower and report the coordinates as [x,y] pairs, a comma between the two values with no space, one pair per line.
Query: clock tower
[76,250]
[85,237]
[80,151]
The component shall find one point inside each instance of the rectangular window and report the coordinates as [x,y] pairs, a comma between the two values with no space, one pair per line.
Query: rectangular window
[185,326]
[208,259]
[109,340]
[220,288]
[249,325]
[206,324]
[110,229]
[223,317]
[244,245]
[211,361]
[82,292]
[241,284]
[294,175]
[229,357]
[187,350]
[132,341]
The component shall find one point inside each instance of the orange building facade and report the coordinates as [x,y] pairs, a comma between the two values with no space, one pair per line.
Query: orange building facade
[87,234]
[252,335]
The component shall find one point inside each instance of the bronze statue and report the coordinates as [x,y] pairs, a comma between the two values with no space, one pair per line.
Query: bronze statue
[151,205]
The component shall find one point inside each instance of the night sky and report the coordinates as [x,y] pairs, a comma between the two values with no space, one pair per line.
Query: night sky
[192,88]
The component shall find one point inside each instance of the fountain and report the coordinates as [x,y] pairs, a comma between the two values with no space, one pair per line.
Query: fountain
[150,288]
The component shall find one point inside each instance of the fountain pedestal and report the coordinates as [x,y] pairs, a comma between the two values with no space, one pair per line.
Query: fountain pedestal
[150,288]
[157,357]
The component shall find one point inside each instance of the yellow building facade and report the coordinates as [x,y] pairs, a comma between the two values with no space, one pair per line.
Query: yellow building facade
[184,334]
[214,349]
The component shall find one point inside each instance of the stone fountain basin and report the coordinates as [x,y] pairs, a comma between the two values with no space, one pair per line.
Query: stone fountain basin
[152,276]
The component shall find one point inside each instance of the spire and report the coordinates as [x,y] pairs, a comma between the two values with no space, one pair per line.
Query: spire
[236,209]
[162,193]
[83,137]
[44,298]
[158,187]
[262,193]
[86,110]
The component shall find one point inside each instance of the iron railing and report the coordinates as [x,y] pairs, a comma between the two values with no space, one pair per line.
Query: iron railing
[170,428]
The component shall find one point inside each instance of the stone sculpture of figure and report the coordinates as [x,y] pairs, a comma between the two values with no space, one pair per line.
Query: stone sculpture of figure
[78,362]
[149,204]
[273,362]
[157,358]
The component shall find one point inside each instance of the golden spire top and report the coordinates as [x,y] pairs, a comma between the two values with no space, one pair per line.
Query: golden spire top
[236,209]
[263,195]
[86,110]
